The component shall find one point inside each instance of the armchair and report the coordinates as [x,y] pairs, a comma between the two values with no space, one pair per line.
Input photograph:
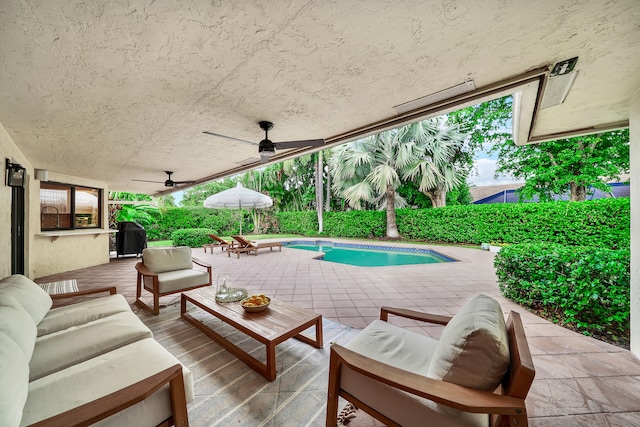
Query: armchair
[477,374]
[165,271]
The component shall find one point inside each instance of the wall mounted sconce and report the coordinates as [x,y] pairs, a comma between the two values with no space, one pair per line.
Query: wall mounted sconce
[15,174]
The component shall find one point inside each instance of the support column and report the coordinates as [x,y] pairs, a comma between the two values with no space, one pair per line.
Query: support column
[634,139]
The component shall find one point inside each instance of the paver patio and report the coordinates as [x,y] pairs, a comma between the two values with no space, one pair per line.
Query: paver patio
[579,380]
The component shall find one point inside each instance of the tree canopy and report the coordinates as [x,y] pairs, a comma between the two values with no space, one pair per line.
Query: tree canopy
[575,166]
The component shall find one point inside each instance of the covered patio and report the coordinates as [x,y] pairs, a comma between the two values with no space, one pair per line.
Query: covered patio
[579,380]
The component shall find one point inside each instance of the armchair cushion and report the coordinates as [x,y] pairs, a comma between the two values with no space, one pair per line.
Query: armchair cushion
[16,323]
[174,281]
[159,260]
[395,346]
[473,350]
[31,296]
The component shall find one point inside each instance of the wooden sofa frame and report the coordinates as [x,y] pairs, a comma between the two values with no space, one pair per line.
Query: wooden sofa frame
[92,412]
[506,405]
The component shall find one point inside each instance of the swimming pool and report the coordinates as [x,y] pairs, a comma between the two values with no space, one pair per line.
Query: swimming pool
[369,255]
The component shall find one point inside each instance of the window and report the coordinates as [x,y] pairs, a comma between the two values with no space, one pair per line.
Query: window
[68,207]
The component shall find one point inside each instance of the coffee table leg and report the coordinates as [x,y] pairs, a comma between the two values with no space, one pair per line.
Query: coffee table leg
[270,368]
[318,342]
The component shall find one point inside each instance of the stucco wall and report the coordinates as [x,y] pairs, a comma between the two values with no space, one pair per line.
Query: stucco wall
[42,256]
[8,150]
[634,137]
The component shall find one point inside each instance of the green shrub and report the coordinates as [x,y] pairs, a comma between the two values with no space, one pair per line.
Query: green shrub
[603,223]
[304,223]
[585,287]
[192,237]
[226,221]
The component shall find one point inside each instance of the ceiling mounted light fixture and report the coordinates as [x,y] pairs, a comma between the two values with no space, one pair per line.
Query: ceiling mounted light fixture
[460,89]
[559,83]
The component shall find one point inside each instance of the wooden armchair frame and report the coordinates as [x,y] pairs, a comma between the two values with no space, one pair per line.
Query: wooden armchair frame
[506,405]
[143,271]
[115,402]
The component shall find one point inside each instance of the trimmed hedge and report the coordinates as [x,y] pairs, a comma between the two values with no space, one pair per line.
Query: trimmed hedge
[192,237]
[585,287]
[224,221]
[603,223]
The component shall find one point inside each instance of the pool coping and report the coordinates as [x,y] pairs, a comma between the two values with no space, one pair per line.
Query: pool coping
[432,252]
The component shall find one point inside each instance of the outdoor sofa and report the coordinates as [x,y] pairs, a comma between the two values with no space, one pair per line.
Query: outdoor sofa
[84,363]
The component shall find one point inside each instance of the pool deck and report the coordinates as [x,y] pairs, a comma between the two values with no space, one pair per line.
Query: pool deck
[579,380]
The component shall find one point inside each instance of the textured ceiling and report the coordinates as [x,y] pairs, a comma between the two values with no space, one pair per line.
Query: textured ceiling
[122,90]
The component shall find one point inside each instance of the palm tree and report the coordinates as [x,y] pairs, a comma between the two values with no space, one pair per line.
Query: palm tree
[436,170]
[366,170]
[369,170]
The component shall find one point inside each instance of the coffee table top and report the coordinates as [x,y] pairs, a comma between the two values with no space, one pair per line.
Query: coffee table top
[273,324]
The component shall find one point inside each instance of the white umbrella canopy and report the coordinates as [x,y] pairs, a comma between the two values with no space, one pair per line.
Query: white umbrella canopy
[238,198]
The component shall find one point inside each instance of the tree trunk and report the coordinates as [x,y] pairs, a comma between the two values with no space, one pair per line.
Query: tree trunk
[392,226]
[578,192]
[319,202]
[327,202]
[438,197]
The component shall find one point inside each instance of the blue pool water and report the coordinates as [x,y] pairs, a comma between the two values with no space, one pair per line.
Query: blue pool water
[369,255]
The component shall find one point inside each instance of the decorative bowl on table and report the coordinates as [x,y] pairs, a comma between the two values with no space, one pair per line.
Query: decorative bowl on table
[255,303]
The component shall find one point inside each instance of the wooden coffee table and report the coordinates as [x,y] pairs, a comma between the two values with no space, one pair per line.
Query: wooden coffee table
[272,326]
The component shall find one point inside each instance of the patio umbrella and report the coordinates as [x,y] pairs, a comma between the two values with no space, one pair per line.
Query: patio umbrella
[238,198]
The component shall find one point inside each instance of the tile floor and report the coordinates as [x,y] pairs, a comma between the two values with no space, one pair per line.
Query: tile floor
[579,380]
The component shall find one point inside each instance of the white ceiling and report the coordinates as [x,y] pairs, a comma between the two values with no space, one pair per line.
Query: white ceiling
[122,90]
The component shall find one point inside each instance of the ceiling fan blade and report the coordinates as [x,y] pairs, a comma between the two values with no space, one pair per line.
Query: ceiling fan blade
[230,137]
[144,180]
[298,144]
[184,182]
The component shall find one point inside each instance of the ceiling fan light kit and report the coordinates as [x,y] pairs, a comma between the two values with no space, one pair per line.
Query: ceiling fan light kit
[266,147]
[169,182]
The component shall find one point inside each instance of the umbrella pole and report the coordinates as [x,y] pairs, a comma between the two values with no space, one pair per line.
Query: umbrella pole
[240,212]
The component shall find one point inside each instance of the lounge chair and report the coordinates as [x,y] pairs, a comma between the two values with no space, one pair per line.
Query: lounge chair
[247,246]
[218,242]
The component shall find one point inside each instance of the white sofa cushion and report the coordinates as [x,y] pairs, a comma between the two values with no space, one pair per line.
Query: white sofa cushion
[473,349]
[59,350]
[14,380]
[31,296]
[160,260]
[17,324]
[172,281]
[67,316]
[99,376]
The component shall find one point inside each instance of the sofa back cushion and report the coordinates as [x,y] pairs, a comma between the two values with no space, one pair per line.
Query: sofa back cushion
[31,296]
[160,260]
[18,325]
[14,377]
[473,350]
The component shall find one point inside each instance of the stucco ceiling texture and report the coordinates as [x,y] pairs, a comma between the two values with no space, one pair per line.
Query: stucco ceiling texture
[122,90]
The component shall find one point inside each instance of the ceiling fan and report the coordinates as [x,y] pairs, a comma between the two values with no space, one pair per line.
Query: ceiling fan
[169,182]
[267,148]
